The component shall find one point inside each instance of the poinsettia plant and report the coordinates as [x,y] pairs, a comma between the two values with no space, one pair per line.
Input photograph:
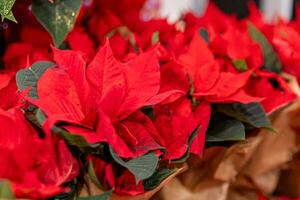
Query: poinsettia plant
[91,93]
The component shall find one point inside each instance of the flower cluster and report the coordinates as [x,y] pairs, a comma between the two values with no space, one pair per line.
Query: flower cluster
[124,101]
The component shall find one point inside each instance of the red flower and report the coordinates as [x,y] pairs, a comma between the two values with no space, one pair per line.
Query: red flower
[209,84]
[105,98]
[285,41]
[177,121]
[112,176]
[274,89]
[209,81]
[36,167]
[227,45]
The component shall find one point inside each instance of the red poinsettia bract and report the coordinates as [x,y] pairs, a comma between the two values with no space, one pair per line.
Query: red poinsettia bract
[102,100]
[37,168]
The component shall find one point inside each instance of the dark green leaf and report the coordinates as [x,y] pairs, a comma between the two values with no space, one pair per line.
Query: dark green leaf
[252,113]
[148,110]
[142,167]
[240,65]
[29,77]
[57,17]
[187,153]
[155,37]
[5,10]
[157,178]
[93,176]
[271,60]
[223,128]
[104,196]
[40,116]
[204,35]
[6,191]
[75,140]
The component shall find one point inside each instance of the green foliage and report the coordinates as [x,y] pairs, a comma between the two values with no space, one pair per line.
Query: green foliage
[58,17]
[155,37]
[240,65]
[252,113]
[5,10]
[40,117]
[271,60]
[229,122]
[93,177]
[224,128]
[157,178]
[28,77]
[5,190]
[75,140]
[204,35]
[142,167]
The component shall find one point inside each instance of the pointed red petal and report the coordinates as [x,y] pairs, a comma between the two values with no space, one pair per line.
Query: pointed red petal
[197,55]
[274,97]
[166,97]
[229,88]
[202,116]
[139,129]
[74,65]
[4,80]
[143,81]
[229,83]
[106,75]
[58,96]
[176,122]
[173,77]
[240,96]
[107,133]
[206,77]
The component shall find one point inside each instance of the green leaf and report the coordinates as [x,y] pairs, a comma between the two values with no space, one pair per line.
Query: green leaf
[204,35]
[57,17]
[187,153]
[252,113]
[75,140]
[157,178]
[155,37]
[30,115]
[29,77]
[223,128]
[40,116]
[240,65]
[5,10]
[6,191]
[142,167]
[271,60]
[148,110]
[93,176]
[104,196]
[71,139]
